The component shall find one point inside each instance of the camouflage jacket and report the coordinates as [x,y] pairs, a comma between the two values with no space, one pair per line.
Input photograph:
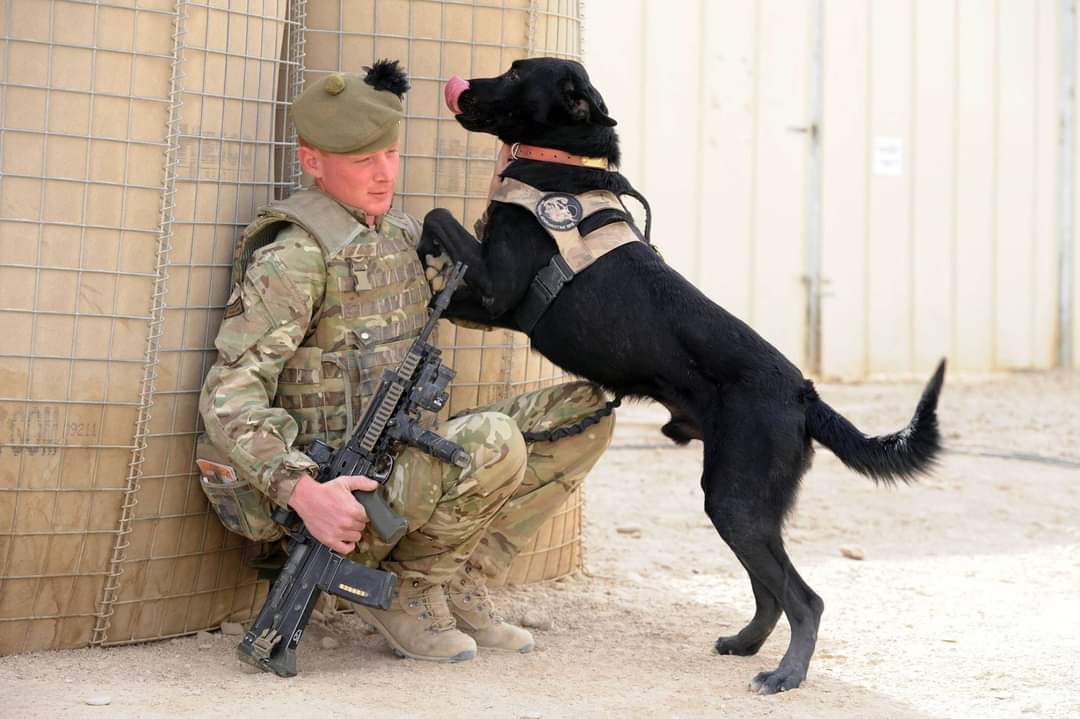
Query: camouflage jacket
[320,311]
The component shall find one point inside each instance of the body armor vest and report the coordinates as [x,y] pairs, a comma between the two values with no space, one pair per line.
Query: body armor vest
[374,305]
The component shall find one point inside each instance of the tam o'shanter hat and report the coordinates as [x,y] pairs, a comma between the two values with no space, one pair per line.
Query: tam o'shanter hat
[346,113]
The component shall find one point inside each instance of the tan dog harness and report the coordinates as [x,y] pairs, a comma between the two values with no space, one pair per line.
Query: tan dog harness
[585,227]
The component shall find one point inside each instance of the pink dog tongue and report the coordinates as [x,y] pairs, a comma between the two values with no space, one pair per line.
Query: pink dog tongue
[454,87]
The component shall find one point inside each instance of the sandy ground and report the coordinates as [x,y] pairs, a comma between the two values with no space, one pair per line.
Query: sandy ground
[964,606]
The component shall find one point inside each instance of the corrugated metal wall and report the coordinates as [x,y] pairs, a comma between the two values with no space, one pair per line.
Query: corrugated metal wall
[939,136]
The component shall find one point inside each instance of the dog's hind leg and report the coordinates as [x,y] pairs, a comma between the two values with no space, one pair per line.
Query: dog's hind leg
[803,608]
[748,487]
[750,638]
[771,573]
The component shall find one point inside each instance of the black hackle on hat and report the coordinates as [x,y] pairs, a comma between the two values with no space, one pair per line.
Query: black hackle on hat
[388,75]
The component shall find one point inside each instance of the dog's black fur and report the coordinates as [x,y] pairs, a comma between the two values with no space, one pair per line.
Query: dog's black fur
[634,325]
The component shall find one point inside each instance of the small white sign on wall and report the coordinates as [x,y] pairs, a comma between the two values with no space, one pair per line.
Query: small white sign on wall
[889,156]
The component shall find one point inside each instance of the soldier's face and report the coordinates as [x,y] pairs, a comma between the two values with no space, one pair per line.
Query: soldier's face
[362,181]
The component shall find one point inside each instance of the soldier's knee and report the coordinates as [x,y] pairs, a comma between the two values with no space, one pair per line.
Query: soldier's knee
[494,440]
[588,394]
[591,398]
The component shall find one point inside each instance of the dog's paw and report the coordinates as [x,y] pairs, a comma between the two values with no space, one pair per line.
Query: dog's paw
[781,680]
[736,646]
[435,269]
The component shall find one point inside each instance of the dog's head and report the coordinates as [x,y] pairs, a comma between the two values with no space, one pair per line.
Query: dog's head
[534,101]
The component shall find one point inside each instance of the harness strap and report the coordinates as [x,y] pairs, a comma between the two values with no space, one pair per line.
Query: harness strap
[602,218]
[599,214]
[546,284]
[577,253]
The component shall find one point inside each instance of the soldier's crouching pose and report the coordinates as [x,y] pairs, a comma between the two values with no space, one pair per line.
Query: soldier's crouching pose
[334,294]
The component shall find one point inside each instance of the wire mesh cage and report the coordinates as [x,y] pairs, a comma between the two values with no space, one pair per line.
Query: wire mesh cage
[137,138]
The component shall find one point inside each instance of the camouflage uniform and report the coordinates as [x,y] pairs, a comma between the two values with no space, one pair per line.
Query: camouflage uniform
[448,525]
[321,310]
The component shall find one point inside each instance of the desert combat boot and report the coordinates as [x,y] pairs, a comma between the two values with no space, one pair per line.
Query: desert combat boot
[419,625]
[476,616]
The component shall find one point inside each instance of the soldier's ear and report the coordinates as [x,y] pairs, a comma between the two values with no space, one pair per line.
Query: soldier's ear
[310,161]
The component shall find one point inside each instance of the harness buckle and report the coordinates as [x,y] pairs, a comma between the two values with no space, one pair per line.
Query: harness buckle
[545,285]
[551,279]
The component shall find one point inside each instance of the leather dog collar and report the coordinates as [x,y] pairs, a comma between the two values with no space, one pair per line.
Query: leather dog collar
[545,154]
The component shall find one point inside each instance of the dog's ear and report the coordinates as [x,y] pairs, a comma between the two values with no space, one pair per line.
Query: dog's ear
[584,103]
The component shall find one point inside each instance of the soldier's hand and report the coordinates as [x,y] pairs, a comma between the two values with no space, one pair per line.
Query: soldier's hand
[330,512]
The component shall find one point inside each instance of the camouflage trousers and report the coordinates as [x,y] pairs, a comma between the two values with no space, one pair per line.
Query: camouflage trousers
[490,510]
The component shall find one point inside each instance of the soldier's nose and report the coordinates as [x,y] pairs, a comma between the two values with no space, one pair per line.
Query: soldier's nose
[382,168]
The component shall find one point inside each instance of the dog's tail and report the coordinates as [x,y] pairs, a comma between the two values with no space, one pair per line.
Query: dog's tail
[902,455]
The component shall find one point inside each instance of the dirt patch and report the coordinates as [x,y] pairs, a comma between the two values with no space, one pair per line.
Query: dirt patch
[964,603]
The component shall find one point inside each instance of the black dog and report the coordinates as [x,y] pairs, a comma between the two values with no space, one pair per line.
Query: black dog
[637,327]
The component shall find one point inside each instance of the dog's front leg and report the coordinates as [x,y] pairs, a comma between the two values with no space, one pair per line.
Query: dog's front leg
[444,235]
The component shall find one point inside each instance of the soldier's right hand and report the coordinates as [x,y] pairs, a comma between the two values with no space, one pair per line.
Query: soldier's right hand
[330,512]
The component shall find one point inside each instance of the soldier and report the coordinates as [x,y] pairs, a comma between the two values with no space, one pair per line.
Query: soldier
[334,293]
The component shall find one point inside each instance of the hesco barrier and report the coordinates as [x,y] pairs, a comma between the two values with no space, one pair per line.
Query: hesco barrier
[135,143]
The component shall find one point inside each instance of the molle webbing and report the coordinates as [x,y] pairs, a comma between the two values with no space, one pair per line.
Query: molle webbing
[412,296]
[387,277]
[408,326]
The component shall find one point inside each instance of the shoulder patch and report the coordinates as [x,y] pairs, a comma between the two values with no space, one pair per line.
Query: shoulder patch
[235,308]
[558,211]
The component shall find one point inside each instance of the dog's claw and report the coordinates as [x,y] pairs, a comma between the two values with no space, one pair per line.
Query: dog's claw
[732,645]
[780,680]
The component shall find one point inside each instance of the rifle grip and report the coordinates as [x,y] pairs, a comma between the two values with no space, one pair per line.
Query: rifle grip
[390,526]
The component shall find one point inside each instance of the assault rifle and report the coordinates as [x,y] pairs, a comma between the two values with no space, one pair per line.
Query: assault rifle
[390,421]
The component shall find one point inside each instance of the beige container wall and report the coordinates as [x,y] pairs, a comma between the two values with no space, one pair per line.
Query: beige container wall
[131,154]
[85,101]
[130,157]
[956,255]
[182,571]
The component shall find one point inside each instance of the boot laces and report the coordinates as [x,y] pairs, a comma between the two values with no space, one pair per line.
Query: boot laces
[475,591]
[433,599]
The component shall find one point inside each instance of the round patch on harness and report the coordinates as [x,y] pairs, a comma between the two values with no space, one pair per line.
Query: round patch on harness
[559,211]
